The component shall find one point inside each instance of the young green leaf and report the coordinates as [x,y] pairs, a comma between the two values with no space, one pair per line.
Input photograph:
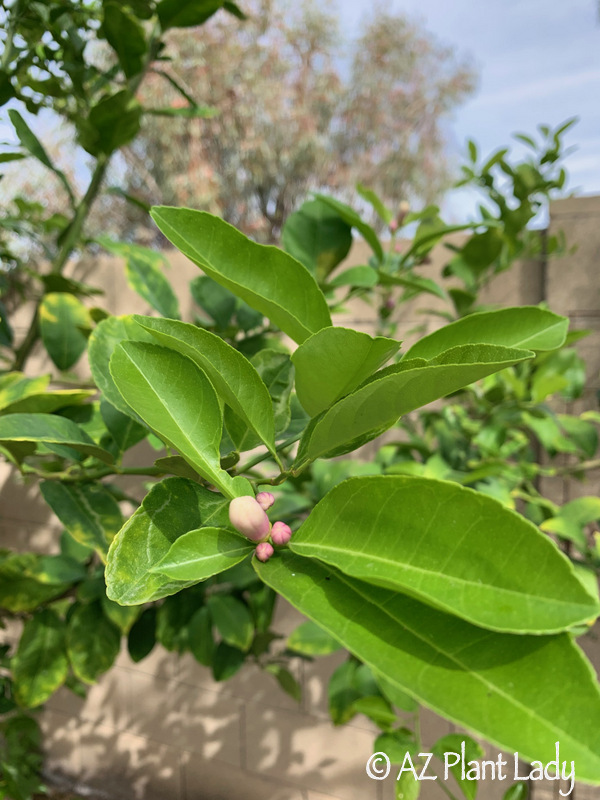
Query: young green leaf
[396,390]
[63,319]
[178,402]
[495,684]
[171,509]
[527,327]
[232,375]
[126,36]
[265,277]
[333,362]
[199,554]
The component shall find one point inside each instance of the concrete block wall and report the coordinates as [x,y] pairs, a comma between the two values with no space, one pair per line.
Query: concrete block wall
[163,728]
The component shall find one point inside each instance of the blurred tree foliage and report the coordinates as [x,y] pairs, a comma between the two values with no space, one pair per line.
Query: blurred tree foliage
[297,109]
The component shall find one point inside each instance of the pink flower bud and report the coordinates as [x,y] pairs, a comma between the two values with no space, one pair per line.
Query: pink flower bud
[265,500]
[280,533]
[393,225]
[247,517]
[264,551]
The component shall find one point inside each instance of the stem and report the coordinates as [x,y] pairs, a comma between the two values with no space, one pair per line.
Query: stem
[263,457]
[70,242]
[77,477]
[551,472]
[10,35]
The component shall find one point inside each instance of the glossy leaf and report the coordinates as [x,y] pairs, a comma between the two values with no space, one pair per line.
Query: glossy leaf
[395,391]
[317,237]
[88,511]
[232,375]
[93,642]
[144,271]
[333,362]
[49,429]
[232,619]
[178,402]
[449,546]
[364,277]
[14,386]
[473,751]
[142,636]
[351,218]
[496,685]
[63,318]
[200,637]
[19,592]
[218,302]
[199,554]
[528,327]
[227,661]
[414,283]
[40,664]
[102,343]
[265,277]
[171,508]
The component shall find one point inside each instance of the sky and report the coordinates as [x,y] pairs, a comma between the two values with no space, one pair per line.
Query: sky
[538,61]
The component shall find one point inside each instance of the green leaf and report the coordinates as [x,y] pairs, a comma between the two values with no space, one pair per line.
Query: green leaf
[518,791]
[371,197]
[142,636]
[33,145]
[126,36]
[527,327]
[40,664]
[178,402]
[186,13]
[171,508]
[496,685]
[395,391]
[93,642]
[49,429]
[448,546]
[87,510]
[113,122]
[227,661]
[377,709]
[200,637]
[143,268]
[311,640]
[364,277]
[14,386]
[102,344]
[469,750]
[317,237]
[121,616]
[218,302]
[57,569]
[20,592]
[63,318]
[232,619]
[199,554]
[123,429]
[6,331]
[333,362]
[351,218]
[266,278]
[415,283]
[286,681]
[231,374]
[276,371]
[47,402]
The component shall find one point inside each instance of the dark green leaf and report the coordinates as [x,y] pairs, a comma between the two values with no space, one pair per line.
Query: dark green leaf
[186,13]
[113,122]
[232,619]
[93,642]
[126,36]
[199,554]
[351,218]
[63,319]
[40,665]
[51,430]
[142,636]
[200,637]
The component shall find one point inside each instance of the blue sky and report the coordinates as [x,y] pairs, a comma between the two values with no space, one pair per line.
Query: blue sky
[538,62]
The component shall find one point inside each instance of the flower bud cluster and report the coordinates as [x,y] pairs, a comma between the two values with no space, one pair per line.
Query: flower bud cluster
[248,516]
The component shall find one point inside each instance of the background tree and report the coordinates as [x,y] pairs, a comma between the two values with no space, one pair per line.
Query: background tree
[298,110]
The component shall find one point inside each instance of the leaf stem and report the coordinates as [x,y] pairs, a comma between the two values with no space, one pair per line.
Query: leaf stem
[264,456]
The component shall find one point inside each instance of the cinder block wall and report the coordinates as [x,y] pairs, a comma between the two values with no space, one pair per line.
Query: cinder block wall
[163,729]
